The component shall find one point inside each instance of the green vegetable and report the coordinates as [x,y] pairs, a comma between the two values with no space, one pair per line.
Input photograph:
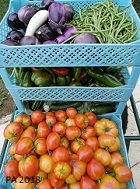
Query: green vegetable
[114,69]
[61,81]
[42,78]
[77,72]
[76,83]
[102,109]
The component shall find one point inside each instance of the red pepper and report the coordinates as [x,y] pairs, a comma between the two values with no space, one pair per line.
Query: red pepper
[61,71]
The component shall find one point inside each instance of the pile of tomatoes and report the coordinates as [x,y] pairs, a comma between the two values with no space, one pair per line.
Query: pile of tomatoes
[65,150]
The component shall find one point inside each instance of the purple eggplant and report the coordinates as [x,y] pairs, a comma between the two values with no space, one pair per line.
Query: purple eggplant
[15,35]
[29,40]
[46,3]
[67,33]
[14,22]
[85,38]
[9,42]
[49,42]
[45,32]
[26,12]
[69,12]
[57,17]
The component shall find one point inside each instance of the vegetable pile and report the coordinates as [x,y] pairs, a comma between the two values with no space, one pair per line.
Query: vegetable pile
[52,22]
[65,150]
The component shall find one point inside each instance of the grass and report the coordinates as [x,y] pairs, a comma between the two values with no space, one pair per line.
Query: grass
[3,7]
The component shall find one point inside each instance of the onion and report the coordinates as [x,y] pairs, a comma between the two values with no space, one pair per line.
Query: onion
[85,38]
[29,40]
[15,35]
[9,42]
[69,12]
[14,22]
[46,3]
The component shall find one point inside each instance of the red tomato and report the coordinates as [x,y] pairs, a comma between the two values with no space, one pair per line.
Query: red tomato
[73,132]
[93,143]
[43,130]
[73,158]
[95,169]
[70,179]
[75,185]
[50,120]
[50,113]
[55,181]
[88,132]
[76,144]
[24,146]
[87,182]
[70,122]
[122,173]
[46,163]
[61,115]
[13,131]
[11,169]
[62,169]
[116,158]
[37,116]
[85,153]
[30,132]
[24,119]
[102,156]
[40,146]
[81,120]
[41,175]
[92,118]
[61,71]
[64,142]
[108,182]
[64,187]
[29,166]
[71,112]
[18,157]
[23,184]
[60,154]
[12,149]
[78,169]
[45,184]
[60,128]
[53,141]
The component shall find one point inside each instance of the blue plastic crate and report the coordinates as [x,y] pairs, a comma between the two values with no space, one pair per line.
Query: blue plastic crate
[114,117]
[69,54]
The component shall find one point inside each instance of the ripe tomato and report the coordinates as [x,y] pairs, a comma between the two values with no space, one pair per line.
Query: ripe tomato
[78,169]
[30,132]
[73,132]
[24,119]
[41,175]
[92,118]
[75,185]
[95,169]
[108,142]
[43,130]
[123,185]
[28,166]
[81,120]
[61,115]
[70,122]
[106,126]
[60,154]
[71,112]
[88,132]
[11,169]
[55,181]
[85,153]
[64,142]
[102,156]
[40,146]
[50,120]
[70,179]
[45,184]
[122,173]
[18,157]
[24,146]
[23,184]
[50,113]
[46,163]
[93,143]
[37,116]
[76,144]
[87,182]
[116,158]
[108,182]
[53,141]
[13,131]
[64,187]
[62,169]
[12,149]
[60,128]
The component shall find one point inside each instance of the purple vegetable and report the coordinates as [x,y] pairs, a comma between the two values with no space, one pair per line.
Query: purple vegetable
[69,12]
[45,33]
[29,40]
[49,42]
[9,42]
[46,3]
[67,33]
[57,13]
[15,35]
[14,22]
[26,12]
[85,38]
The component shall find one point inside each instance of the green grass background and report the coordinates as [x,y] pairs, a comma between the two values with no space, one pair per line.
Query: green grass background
[3,7]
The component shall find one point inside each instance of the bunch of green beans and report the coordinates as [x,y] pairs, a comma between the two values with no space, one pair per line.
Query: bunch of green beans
[107,22]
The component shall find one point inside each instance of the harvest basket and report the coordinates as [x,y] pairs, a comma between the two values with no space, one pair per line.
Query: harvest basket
[112,117]
[69,54]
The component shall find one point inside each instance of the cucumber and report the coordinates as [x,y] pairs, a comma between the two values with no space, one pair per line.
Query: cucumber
[102,109]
